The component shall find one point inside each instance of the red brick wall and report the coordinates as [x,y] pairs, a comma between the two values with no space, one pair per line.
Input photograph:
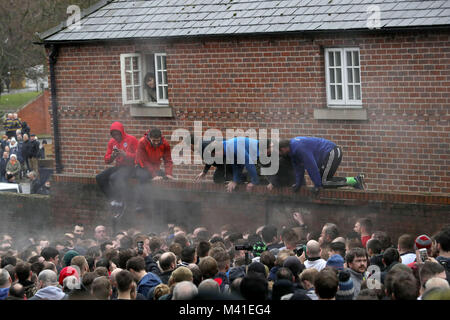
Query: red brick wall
[36,114]
[80,200]
[276,82]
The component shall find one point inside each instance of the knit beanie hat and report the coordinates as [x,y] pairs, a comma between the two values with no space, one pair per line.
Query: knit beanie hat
[345,289]
[423,242]
[236,272]
[66,272]
[258,248]
[68,257]
[336,261]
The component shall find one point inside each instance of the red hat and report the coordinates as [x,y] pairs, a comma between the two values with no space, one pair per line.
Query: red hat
[423,242]
[66,272]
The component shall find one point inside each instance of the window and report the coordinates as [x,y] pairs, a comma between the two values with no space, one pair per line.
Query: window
[144,79]
[343,78]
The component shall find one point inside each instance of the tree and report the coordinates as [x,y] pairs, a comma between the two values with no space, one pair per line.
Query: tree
[19,25]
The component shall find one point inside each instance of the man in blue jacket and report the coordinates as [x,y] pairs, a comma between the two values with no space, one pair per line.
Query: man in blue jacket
[320,158]
[242,152]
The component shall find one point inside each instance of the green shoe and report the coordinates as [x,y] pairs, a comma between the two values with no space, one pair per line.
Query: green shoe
[360,182]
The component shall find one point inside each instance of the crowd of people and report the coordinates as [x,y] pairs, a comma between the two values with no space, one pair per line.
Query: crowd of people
[20,152]
[266,264]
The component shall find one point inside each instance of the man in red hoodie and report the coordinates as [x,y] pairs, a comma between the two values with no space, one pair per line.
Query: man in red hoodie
[121,149]
[152,147]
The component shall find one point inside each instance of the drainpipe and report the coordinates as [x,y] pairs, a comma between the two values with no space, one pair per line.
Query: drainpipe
[52,57]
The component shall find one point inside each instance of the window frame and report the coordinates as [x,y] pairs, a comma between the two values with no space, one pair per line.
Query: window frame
[344,102]
[160,100]
[123,58]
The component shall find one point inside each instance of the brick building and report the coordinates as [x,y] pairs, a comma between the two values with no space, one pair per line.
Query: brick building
[373,79]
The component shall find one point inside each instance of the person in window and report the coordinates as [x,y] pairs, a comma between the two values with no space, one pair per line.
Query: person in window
[321,159]
[150,86]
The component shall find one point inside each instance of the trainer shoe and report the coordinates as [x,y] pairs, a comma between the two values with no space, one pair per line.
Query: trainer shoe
[117,209]
[361,184]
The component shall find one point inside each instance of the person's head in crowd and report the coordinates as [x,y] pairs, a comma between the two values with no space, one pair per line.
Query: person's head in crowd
[257,267]
[8,259]
[126,285]
[430,270]
[208,266]
[100,233]
[136,266]
[81,263]
[126,242]
[313,249]
[196,273]
[188,255]
[254,288]
[363,227]
[352,243]
[50,254]
[404,286]
[176,249]
[101,288]
[346,290]
[294,264]
[208,287]
[5,283]
[155,244]
[356,260]
[280,288]
[78,230]
[180,274]
[326,284]
[268,259]
[203,248]
[101,272]
[285,273]
[106,245]
[105,263]
[47,265]
[330,232]
[67,272]
[405,244]
[161,289]
[435,283]
[182,240]
[168,261]
[196,232]
[23,272]
[367,294]
[16,292]
[11,269]
[336,261]
[235,288]
[223,260]
[337,247]
[269,234]
[373,247]
[124,256]
[391,256]
[443,243]
[307,278]
[87,280]
[68,256]
[290,238]
[186,290]
[47,278]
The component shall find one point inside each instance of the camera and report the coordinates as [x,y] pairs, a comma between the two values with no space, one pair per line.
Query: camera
[140,247]
[244,247]
[299,250]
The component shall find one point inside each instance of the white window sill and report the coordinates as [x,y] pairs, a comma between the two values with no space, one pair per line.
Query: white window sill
[347,113]
[151,110]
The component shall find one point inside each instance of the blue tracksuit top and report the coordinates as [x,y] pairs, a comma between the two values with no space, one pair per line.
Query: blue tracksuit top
[240,152]
[309,153]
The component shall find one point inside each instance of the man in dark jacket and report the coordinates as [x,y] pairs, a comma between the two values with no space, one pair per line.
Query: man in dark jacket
[3,162]
[223,172]
[321,159]
[121,149]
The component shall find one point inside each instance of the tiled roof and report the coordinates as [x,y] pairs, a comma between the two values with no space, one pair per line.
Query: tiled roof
[127,19]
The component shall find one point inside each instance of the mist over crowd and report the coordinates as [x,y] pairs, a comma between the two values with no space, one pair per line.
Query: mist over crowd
[269,263]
